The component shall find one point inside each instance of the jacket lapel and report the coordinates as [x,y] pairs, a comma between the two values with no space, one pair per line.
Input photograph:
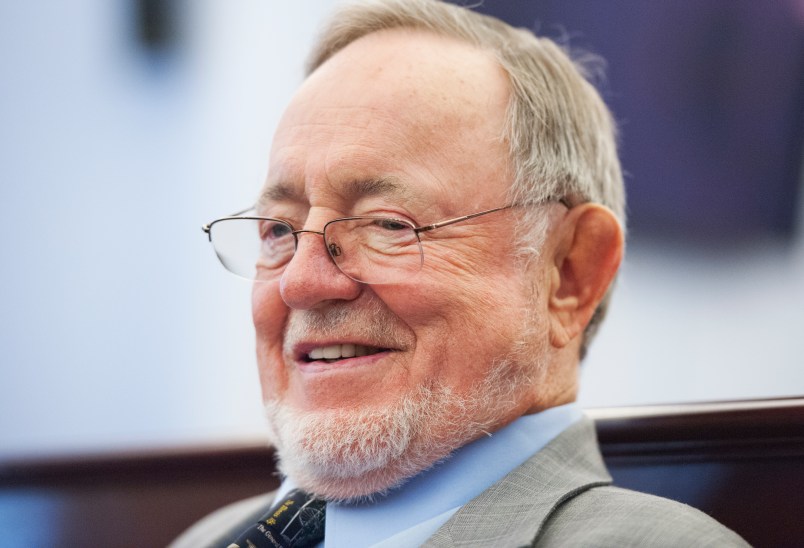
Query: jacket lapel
[513,511]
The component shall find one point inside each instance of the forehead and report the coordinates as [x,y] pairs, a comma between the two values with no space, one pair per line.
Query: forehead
[406,108]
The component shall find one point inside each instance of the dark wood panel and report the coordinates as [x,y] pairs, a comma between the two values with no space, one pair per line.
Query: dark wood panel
[126,500]
[721,430]
[740,462]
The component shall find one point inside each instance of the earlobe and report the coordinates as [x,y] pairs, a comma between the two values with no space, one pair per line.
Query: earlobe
[586,255]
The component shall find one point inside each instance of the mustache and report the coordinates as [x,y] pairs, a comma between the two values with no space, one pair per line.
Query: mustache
[370,322]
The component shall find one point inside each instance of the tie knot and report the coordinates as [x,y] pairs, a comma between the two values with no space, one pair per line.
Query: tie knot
[295,521]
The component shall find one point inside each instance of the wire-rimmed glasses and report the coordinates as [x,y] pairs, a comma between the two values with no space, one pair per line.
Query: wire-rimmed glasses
[368,249]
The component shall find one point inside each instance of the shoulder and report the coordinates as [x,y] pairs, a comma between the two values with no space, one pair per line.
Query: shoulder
[210,528]
[611,516]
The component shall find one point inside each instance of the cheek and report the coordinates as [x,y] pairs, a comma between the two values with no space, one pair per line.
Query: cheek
[460,277]
[268,311]
[461,323]
[269,315]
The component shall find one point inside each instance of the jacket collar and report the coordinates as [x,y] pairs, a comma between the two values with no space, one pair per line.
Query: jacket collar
[513,511]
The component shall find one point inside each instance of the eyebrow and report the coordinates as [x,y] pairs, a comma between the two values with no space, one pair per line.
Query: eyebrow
[279,192]
[382,186]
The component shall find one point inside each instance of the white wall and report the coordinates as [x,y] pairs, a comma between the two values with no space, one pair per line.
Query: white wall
[701,324]
[117,326]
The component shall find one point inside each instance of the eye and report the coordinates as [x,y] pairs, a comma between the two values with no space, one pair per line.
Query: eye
[392,224]
[274,230]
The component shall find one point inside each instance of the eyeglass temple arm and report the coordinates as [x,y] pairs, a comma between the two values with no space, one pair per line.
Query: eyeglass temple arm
[473,215]
[459,219]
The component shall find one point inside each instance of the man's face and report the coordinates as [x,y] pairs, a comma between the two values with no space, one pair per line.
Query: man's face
[407,125]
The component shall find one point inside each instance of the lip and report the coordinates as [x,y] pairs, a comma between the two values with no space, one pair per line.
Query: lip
[301,351]
[321,366]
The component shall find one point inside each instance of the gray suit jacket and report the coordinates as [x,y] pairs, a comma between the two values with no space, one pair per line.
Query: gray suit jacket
[562,496]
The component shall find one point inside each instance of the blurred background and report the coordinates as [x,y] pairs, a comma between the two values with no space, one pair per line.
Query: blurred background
[127,125]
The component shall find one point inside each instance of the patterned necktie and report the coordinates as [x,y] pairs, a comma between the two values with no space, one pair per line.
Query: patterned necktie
[296,521]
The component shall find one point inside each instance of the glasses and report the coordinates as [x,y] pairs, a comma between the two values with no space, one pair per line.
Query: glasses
[368,249]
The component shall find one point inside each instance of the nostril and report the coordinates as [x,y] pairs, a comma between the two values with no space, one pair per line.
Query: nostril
[335,250]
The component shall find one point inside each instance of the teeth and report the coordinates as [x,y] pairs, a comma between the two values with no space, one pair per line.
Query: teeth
[337,351]
[316,354]
[332,352]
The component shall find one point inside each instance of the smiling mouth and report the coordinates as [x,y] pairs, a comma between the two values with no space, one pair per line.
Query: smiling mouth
[336,352]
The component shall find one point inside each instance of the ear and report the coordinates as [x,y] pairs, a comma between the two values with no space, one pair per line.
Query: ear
[587,250]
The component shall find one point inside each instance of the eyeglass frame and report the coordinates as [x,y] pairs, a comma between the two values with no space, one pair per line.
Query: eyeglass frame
[207,228]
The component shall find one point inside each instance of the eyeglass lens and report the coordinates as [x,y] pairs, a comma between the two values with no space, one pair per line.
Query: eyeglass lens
[374,250]
[367,249]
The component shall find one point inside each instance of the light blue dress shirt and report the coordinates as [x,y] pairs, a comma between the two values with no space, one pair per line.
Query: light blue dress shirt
[412,513]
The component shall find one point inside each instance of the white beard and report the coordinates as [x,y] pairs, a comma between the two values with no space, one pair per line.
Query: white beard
[348,454]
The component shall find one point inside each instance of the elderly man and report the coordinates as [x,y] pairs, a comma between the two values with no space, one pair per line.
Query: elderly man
[432,251]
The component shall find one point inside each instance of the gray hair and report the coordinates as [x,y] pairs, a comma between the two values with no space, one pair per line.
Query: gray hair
[561,136]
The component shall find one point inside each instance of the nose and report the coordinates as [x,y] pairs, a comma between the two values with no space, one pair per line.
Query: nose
[311,278]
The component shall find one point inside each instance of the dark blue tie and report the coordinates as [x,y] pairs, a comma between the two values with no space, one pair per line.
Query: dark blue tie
[295,521]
